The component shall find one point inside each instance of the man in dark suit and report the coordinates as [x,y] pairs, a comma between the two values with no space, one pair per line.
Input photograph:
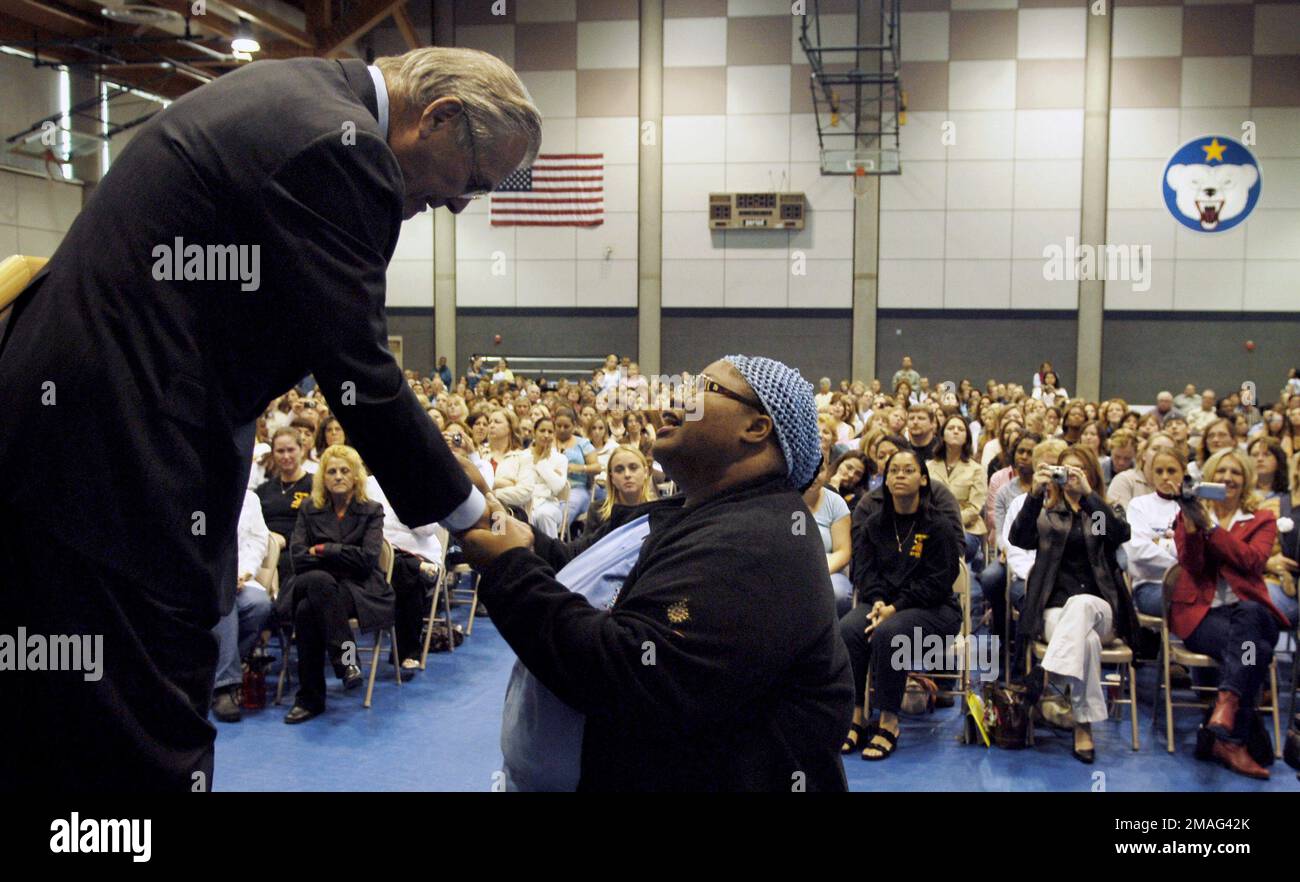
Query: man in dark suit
[270,198]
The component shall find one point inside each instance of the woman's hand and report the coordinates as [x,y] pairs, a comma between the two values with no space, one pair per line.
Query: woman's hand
[871,616]
[1076,481]
[1194,519]
[879,613]
[1042,477]
[1279,564]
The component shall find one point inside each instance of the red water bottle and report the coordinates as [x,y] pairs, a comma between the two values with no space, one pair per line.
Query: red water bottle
[254,692]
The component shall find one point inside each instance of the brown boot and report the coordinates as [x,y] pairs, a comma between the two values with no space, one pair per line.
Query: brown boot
[1237,758]
[1225,714]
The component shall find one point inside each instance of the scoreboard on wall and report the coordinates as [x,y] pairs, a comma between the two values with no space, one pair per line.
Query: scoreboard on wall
[756,211]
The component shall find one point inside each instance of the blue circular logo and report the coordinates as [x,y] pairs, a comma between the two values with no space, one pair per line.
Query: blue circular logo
[1211,184]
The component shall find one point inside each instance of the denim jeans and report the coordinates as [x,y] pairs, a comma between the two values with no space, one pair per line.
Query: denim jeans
[1148,597]
[1225,634]
[843,593]
[579,501]
[1287,606]
[237,631]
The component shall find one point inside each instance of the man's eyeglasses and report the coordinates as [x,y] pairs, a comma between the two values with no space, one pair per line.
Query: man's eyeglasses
[475,187]
[705,383]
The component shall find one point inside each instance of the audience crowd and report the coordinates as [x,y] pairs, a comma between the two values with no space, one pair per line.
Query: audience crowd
[1077,509]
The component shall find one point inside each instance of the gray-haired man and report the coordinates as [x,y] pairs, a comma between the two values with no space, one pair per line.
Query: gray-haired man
[303,169]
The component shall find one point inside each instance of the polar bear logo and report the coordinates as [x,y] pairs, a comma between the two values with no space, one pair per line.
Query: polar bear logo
[1210,195]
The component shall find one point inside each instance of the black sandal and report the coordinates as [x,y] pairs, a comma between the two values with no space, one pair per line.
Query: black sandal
[858,729]
[886,750]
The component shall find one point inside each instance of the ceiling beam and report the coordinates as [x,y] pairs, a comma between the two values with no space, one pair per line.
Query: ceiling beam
[168,86]
[274,24]
[52,19]
[359,21]
[404,24]
[319,15]
[209,21]
[65,13]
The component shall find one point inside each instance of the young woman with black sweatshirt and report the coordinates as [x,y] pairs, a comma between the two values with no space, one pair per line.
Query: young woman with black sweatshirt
[909,554]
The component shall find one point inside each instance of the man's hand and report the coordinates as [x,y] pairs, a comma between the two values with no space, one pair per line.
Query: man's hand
[492,518]
[493,506]
[483,546]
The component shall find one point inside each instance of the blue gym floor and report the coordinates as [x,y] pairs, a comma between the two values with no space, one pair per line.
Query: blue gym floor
[440,732]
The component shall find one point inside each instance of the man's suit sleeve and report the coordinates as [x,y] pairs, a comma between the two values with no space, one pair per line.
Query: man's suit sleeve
[332,217]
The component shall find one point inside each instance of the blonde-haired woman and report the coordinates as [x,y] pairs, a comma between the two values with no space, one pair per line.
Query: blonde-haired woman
[596,431]
[513,476]
[1220,602]
[826,433]
[335,548]
[629,484]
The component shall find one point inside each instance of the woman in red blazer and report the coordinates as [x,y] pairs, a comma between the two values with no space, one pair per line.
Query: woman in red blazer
[1220,604]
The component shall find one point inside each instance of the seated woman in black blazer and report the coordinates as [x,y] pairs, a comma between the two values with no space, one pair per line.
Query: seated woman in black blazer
[909,555]
[335,547]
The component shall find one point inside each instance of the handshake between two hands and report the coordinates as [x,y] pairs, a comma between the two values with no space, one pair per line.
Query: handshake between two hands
[496,531]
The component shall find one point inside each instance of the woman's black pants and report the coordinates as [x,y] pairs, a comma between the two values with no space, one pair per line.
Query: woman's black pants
[322,607]
[893,649]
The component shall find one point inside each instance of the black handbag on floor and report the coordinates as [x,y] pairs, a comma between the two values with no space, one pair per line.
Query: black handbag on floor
[1291,752]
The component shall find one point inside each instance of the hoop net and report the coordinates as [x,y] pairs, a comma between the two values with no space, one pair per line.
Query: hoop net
[859,183]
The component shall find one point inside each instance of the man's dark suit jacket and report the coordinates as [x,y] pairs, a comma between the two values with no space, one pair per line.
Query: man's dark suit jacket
[129,402]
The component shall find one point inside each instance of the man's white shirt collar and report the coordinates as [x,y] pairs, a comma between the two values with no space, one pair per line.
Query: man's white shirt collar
[381,98]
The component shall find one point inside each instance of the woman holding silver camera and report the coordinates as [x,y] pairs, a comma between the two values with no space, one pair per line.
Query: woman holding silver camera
[1220,603]
[1075,599]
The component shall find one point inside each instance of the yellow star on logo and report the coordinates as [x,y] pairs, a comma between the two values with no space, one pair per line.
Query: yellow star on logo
[1214,150]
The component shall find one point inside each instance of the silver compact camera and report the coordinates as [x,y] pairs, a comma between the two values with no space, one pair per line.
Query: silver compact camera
[1060,474]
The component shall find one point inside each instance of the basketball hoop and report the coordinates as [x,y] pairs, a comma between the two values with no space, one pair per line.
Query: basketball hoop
[859,183]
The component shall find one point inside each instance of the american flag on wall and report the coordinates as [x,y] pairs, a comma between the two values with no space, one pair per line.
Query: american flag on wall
[559,190]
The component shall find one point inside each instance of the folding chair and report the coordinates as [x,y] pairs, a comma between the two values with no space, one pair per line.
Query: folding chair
[1172,651]
[454,592]
[1117,653]
[1146,622]
[268,574]
[563,534]
[961,677]
[1011,616]
[386,559]
[444,540]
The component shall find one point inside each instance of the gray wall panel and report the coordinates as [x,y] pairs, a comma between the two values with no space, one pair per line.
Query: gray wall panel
[951,345]
[546,333]
[415,326]
[816,343]
[1143,353]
